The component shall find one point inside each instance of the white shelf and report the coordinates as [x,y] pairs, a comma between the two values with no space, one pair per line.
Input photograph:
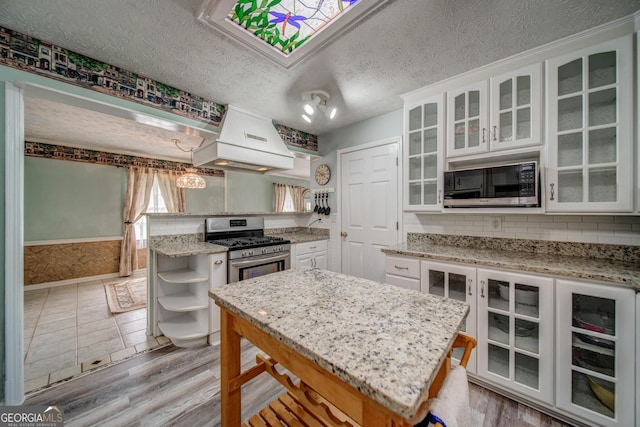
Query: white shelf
[183,275]
[183,301]
[183,327]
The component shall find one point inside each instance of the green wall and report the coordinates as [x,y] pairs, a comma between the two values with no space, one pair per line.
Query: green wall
[249,192]
[207,200]
[71,200]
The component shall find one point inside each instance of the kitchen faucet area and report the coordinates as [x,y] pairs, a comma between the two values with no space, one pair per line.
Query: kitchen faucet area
[333,213]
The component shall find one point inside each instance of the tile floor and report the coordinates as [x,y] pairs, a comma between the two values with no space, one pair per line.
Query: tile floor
[70,329]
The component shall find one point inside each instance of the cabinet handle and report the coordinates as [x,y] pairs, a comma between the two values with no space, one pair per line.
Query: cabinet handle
[469,281]
[552,185]
[494,132]
[482,289]
[218,262]
[439,196]
[312,247]
[401,268]
[484,137]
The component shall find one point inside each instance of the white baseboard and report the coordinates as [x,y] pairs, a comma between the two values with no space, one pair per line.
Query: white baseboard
[58,283]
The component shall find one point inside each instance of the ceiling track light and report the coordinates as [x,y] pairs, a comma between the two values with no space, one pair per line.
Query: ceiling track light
[317,99]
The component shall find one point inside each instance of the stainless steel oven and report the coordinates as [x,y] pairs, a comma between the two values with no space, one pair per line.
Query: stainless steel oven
[251,253]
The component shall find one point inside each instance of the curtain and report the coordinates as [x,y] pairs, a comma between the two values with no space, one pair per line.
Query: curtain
[139,183]
[297,197]
[280,196]
[172,195]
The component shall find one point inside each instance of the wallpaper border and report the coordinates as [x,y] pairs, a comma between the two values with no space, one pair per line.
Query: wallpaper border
[61,152]
[26,53]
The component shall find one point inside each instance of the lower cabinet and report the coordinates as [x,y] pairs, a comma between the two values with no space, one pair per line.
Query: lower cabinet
[403,271]
[455,282]
[566,345]
[515,332]
[184,312]
[310,254]
[595,346]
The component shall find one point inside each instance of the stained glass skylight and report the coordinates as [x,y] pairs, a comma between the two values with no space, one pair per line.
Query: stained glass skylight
[284,30]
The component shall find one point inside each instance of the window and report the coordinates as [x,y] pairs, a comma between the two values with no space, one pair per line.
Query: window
[156,205]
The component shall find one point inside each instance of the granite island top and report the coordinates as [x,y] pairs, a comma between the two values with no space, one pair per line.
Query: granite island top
[385,341]
[613,271]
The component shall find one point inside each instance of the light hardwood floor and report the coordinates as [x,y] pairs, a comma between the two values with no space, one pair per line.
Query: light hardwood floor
[180,387]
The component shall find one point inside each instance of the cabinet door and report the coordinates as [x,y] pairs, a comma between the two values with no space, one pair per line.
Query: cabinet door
[467,120]
[590,129]
[423,155]
[515,332]
[304,260]
[455,282]
[320,259]
[516,108]
[217,278]
[595,352]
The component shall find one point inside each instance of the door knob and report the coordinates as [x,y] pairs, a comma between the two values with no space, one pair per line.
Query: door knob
[343,234]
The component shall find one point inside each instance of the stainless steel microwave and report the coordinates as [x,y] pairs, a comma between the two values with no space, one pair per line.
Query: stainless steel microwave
[514,185]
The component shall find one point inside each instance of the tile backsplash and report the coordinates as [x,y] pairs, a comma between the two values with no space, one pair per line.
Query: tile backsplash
[621,230]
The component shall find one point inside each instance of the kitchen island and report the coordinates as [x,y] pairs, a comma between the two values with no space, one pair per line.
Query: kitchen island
[373,350]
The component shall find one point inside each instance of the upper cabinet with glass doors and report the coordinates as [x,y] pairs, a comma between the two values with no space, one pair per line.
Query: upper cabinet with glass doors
[424,133]
[590,129]
[509,118]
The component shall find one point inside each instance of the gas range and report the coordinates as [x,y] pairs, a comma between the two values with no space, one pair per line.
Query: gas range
[250,253]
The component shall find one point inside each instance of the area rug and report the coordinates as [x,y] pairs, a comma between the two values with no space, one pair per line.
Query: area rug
[127,296]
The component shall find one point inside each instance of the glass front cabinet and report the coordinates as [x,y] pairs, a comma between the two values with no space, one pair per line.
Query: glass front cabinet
[515,332]
[590,129]
[455,282]
[595,346]
[424,157]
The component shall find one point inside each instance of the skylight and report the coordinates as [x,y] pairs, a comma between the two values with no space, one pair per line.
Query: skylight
[284,30]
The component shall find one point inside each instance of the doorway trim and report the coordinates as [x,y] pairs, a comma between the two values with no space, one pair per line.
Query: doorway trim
[394,139]
[13,246]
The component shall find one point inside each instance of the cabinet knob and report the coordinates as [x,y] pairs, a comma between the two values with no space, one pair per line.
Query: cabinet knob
[344,234]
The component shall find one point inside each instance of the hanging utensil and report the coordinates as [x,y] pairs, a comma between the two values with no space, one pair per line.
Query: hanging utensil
[315,209]
[327,211]
[321,208]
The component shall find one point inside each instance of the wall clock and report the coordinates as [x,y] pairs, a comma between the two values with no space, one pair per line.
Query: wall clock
[323,174]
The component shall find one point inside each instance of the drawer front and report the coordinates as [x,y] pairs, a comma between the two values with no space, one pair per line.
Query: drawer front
[403,266]
[309,247]
[403,282]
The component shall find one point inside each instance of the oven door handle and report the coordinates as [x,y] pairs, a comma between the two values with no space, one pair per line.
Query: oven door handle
[281,256]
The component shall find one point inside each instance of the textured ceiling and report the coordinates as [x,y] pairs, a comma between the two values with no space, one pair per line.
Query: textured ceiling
[403,46]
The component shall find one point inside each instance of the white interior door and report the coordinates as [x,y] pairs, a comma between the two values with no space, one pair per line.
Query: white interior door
[369,205]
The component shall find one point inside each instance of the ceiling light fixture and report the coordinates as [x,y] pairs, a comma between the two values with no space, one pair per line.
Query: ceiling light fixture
[189,179]
[317,99]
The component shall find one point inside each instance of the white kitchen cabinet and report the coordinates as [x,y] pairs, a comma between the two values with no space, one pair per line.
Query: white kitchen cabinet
[217,278]
[590,129]
[595,345]
[182,300]
[500,114]
[424,155]
[310,254]
[515,332]
[516,109]
[403,271]
[455,282]
[467,120]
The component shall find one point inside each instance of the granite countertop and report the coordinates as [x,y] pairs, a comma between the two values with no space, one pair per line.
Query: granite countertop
[177,249]
[613,271]
[385,341]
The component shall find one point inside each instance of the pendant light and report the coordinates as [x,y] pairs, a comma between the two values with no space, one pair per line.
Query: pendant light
[189,179]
